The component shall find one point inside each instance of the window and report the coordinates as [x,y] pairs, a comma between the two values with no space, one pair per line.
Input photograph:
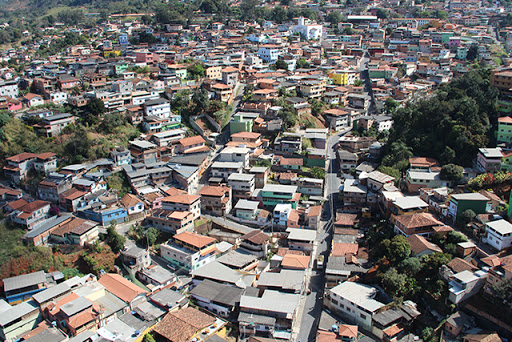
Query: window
[363,316]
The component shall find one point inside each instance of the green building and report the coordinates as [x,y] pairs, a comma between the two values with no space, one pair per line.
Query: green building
[315,157]
[121,67]
[242,122]
[504,133]
[459,203]
[273,194]
[462,53]
[505,105]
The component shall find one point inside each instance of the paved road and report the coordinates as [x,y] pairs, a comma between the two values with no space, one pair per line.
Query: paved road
[313,302]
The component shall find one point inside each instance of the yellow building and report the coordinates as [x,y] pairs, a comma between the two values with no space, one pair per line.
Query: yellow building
[214,72]
[344,77]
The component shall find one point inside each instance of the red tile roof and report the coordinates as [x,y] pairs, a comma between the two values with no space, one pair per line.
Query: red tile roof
[342,249]
[18,158]
[194,239]
[120,287]
[191,140]
[181,325]
[182,199]
[294,261]
[214,191]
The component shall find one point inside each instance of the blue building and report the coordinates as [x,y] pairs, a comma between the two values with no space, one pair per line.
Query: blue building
[21,288]
[104,216]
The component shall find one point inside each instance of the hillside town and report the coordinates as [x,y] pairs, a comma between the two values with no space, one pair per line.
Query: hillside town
[302,171]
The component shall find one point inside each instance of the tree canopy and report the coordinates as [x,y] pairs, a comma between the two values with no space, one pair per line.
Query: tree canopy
[458,117]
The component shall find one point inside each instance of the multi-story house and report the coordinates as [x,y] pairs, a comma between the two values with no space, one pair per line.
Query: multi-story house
[498,234]
[269,53]
[339,119]
[502,79]
[466,284]
[420,224]
[309,186]
[260,316]
[489,159]
[242,185]
[256,243]
[45,162]
[193,144]
[281,215]
[9,88]
[216,199]
[18,166]
[273,194]
[171,221]
[461,202]
[353,192]
[235,154]
[504,134]
[377,180]
[355,303]
[28,214]
[183,202]
[261,174]
[230,76]
[143,151]
[53,125]
[214,72]
[312,89]
[53,186]
[157,107]
[189,250]
[222,91]
[288,142]
[225,169]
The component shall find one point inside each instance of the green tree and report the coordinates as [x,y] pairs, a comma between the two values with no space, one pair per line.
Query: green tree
[201,101]
[390,105]
[303,64]
[410,265]
[468,216]
[440,14]
[317,172]
[398,249]
[451,172]
[398,284]
[334,18]
[111,121]
[248,9]
[382,13]
[195,71]
[281,65]
[152,235]
[114,239]
[96,107]
[358,83]
[390,171]
[472,53]
[279,14]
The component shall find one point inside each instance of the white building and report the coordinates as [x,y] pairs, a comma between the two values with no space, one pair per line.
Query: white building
[58,97]
[281,214]
[9,88]
[498,234]
[465,284]
[157,107]
[312,31]
[354,302]
[235,155]
[269,53]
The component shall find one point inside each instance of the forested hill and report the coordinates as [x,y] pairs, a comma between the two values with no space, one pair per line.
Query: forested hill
[450,126]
